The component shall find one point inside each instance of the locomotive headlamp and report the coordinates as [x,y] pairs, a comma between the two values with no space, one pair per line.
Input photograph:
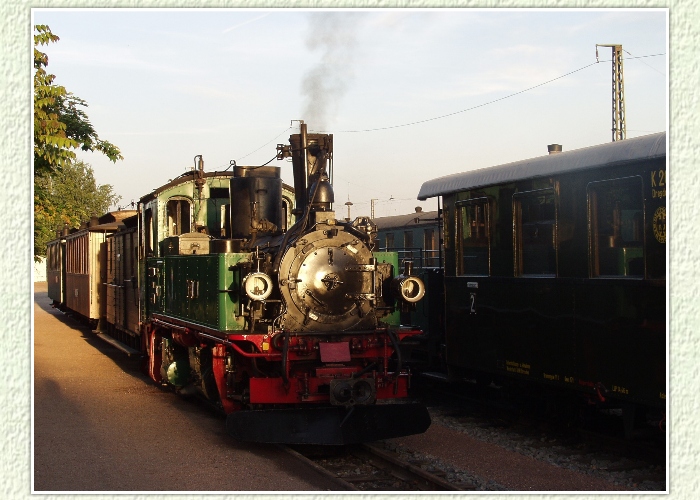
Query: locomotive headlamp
[257,286]
[410,288]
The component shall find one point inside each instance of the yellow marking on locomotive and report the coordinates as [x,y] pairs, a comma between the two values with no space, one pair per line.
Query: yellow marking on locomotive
[515,367]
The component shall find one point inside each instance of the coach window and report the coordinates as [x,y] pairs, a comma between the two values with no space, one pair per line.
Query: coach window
[430,246]
[178,216]
[429,239]
[616,222]
[389,241]
[473,238]
[134,256]
[84,253]
[53,258]
[408,239]
[535,233]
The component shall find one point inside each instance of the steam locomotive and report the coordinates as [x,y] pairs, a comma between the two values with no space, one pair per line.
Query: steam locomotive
[236,288]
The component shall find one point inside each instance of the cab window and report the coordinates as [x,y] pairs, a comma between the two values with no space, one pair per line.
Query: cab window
[178,216]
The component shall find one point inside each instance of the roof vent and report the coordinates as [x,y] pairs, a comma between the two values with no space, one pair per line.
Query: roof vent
[554,149]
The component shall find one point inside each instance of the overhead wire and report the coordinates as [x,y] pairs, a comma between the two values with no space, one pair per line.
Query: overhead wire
[418,122]
[642,57]
[268,142]
[485,103]
[493,101]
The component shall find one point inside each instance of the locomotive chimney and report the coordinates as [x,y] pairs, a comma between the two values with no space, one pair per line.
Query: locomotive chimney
[554,149]
[312,156]
[297,144]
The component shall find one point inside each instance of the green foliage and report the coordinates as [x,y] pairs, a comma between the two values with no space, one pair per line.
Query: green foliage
[71,197]
[65,191]
[52,147]
[60,125]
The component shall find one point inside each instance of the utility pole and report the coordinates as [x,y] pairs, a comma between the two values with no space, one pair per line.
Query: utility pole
[619,128]
[372,207]
[348,204]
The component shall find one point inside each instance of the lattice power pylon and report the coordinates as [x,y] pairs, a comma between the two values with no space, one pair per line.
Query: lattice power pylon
[619,128]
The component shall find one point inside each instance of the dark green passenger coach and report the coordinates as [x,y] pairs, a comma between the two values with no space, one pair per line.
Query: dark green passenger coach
[555,271]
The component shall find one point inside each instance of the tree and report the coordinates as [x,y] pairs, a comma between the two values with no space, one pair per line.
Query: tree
[72,197]
[60,125]
[65,191]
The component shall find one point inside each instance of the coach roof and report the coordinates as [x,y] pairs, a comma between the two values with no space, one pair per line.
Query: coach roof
[617,152]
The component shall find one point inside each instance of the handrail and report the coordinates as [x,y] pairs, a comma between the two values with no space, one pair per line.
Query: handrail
[421,257]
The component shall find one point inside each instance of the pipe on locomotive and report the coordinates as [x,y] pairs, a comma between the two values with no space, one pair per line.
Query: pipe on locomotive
[199,175]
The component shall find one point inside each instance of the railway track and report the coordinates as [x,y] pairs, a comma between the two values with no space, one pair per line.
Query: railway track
[368,468]
[533,430]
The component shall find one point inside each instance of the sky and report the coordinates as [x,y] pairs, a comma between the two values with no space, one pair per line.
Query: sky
[409,94]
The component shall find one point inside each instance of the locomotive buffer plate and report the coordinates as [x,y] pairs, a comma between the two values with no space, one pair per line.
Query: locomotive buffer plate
[329,426]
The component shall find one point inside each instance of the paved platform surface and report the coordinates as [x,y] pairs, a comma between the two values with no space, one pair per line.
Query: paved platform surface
[100,425]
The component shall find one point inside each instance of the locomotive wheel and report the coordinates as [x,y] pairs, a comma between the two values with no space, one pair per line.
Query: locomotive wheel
[155,356]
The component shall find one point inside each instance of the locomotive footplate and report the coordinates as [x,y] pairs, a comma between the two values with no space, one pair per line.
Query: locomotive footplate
[329,425]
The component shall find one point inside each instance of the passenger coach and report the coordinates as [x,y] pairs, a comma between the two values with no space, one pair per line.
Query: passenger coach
[77,265]
[555,271]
